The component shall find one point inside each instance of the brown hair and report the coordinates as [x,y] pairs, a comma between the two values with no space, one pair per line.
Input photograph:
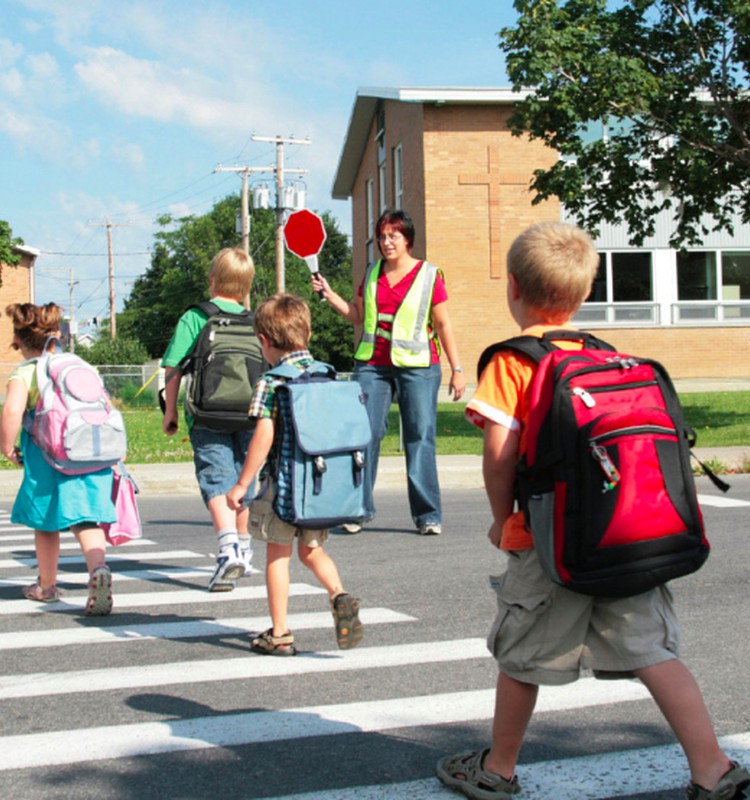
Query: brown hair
[284,320]
[555,265]
[34,324]
[232,272]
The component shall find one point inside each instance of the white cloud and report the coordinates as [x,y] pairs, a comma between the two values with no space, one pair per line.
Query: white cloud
[9,53]
[129,154]
[155,91]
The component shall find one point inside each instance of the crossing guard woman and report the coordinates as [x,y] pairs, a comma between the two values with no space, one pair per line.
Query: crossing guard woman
[402,305]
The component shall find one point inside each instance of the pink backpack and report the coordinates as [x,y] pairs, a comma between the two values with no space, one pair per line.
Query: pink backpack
[74,424]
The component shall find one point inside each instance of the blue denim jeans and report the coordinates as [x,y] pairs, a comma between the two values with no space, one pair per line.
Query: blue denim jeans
[416,391]
[218,457]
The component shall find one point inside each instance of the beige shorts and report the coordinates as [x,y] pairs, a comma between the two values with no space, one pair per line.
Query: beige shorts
[545,634]
[266,526]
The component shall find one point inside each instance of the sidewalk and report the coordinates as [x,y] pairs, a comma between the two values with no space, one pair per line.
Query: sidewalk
[456,472]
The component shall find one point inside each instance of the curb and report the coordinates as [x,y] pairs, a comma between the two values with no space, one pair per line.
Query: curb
[456,472]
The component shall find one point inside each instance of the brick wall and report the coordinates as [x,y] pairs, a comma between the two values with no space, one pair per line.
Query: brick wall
[15,289]
[466,221]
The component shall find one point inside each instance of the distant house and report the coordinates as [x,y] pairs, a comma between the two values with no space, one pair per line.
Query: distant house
[448,158]
[18,286]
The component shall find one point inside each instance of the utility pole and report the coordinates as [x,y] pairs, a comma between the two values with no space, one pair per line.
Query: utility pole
[279,170]
[72,324]
[109,225]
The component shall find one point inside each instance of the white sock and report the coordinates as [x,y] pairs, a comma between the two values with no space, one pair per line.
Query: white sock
[227,538]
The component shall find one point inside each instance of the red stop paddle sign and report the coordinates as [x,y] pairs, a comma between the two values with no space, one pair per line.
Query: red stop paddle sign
[305,233]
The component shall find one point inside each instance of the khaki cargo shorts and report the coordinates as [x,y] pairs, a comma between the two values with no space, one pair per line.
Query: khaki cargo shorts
[545,634]
[266,526]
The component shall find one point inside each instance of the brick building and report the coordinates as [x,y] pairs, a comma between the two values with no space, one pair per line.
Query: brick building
[448,158]
[17,287]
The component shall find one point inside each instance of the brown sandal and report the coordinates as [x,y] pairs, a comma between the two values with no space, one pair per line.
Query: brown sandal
[35,592]
[266,644]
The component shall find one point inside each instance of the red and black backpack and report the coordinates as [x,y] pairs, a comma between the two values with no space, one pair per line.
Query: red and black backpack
[605,480]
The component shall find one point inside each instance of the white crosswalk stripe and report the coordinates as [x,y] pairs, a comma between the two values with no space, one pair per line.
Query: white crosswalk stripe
[181,644]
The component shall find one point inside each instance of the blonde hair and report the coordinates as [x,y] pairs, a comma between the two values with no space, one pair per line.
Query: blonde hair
[34,324]
[555,265]
[284,320]
[232,272]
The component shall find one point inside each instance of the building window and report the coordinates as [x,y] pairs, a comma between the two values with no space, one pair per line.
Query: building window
[713,286]
[622,291]
[382,188]
[370,201]
[398,178]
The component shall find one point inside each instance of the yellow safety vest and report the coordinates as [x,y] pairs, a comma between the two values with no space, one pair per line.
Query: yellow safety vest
[410,335]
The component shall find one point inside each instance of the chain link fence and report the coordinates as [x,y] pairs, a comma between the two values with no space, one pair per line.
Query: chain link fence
[123,381]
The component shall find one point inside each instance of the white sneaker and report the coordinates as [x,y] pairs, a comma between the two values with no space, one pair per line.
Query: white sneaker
[246,554]
[351,527]
[431,529]
[221,586]
[229,567]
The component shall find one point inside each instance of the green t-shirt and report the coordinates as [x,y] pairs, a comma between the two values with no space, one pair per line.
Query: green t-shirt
[186,332]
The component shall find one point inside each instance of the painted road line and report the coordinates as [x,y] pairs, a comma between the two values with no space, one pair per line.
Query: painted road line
[231,730]
[158,575]
[112,557]
[627,773]
[716,501]
[152,599]
[64,545]
[193,629]
[245,667]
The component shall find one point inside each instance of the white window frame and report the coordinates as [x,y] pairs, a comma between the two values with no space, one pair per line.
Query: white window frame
[398,177]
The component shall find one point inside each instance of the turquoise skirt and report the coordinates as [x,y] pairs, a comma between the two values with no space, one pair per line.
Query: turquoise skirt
[50,501]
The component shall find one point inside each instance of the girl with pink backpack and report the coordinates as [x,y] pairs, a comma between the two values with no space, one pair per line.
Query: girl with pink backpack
[49,500]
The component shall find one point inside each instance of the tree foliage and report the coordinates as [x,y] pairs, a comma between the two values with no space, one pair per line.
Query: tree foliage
[120,350]
[7,242]
[178,276]
[669,79]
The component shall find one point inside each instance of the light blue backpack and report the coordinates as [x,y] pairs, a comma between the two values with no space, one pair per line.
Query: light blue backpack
[320,459]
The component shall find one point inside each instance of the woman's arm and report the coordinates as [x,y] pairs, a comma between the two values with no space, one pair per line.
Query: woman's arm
[353,312]
[441,321]
[12,417]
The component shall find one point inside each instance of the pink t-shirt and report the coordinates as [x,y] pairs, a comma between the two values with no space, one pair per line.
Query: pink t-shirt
[388,299]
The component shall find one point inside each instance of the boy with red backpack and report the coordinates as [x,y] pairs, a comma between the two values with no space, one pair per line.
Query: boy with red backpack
[544,633]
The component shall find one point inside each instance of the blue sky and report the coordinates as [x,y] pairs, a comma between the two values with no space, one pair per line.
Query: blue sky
[121,110]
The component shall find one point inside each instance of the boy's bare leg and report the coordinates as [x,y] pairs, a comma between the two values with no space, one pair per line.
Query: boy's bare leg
[679,698]
[47,544]
[277,585]
[323,567]
[223,518]
[514,705]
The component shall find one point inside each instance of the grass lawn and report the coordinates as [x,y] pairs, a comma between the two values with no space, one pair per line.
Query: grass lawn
[719,418]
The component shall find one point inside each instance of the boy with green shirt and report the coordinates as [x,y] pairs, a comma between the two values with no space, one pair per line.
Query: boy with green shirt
[218,454]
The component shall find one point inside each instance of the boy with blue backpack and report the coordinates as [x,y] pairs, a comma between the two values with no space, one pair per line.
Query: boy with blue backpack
[545,633]
[284,329]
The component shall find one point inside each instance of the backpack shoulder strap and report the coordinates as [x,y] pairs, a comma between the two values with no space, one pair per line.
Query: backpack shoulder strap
[211,309]
[532,346]
[536,348]
[290,372]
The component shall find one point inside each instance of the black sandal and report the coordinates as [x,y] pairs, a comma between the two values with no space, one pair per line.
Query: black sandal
[266,644]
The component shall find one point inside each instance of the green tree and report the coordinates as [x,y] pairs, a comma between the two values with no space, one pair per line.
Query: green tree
[7,242]
[669,80]
[178,276]
[120,350]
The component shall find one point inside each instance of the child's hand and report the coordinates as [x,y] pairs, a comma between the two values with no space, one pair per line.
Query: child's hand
[169,422]
[495,533]
[235,497]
